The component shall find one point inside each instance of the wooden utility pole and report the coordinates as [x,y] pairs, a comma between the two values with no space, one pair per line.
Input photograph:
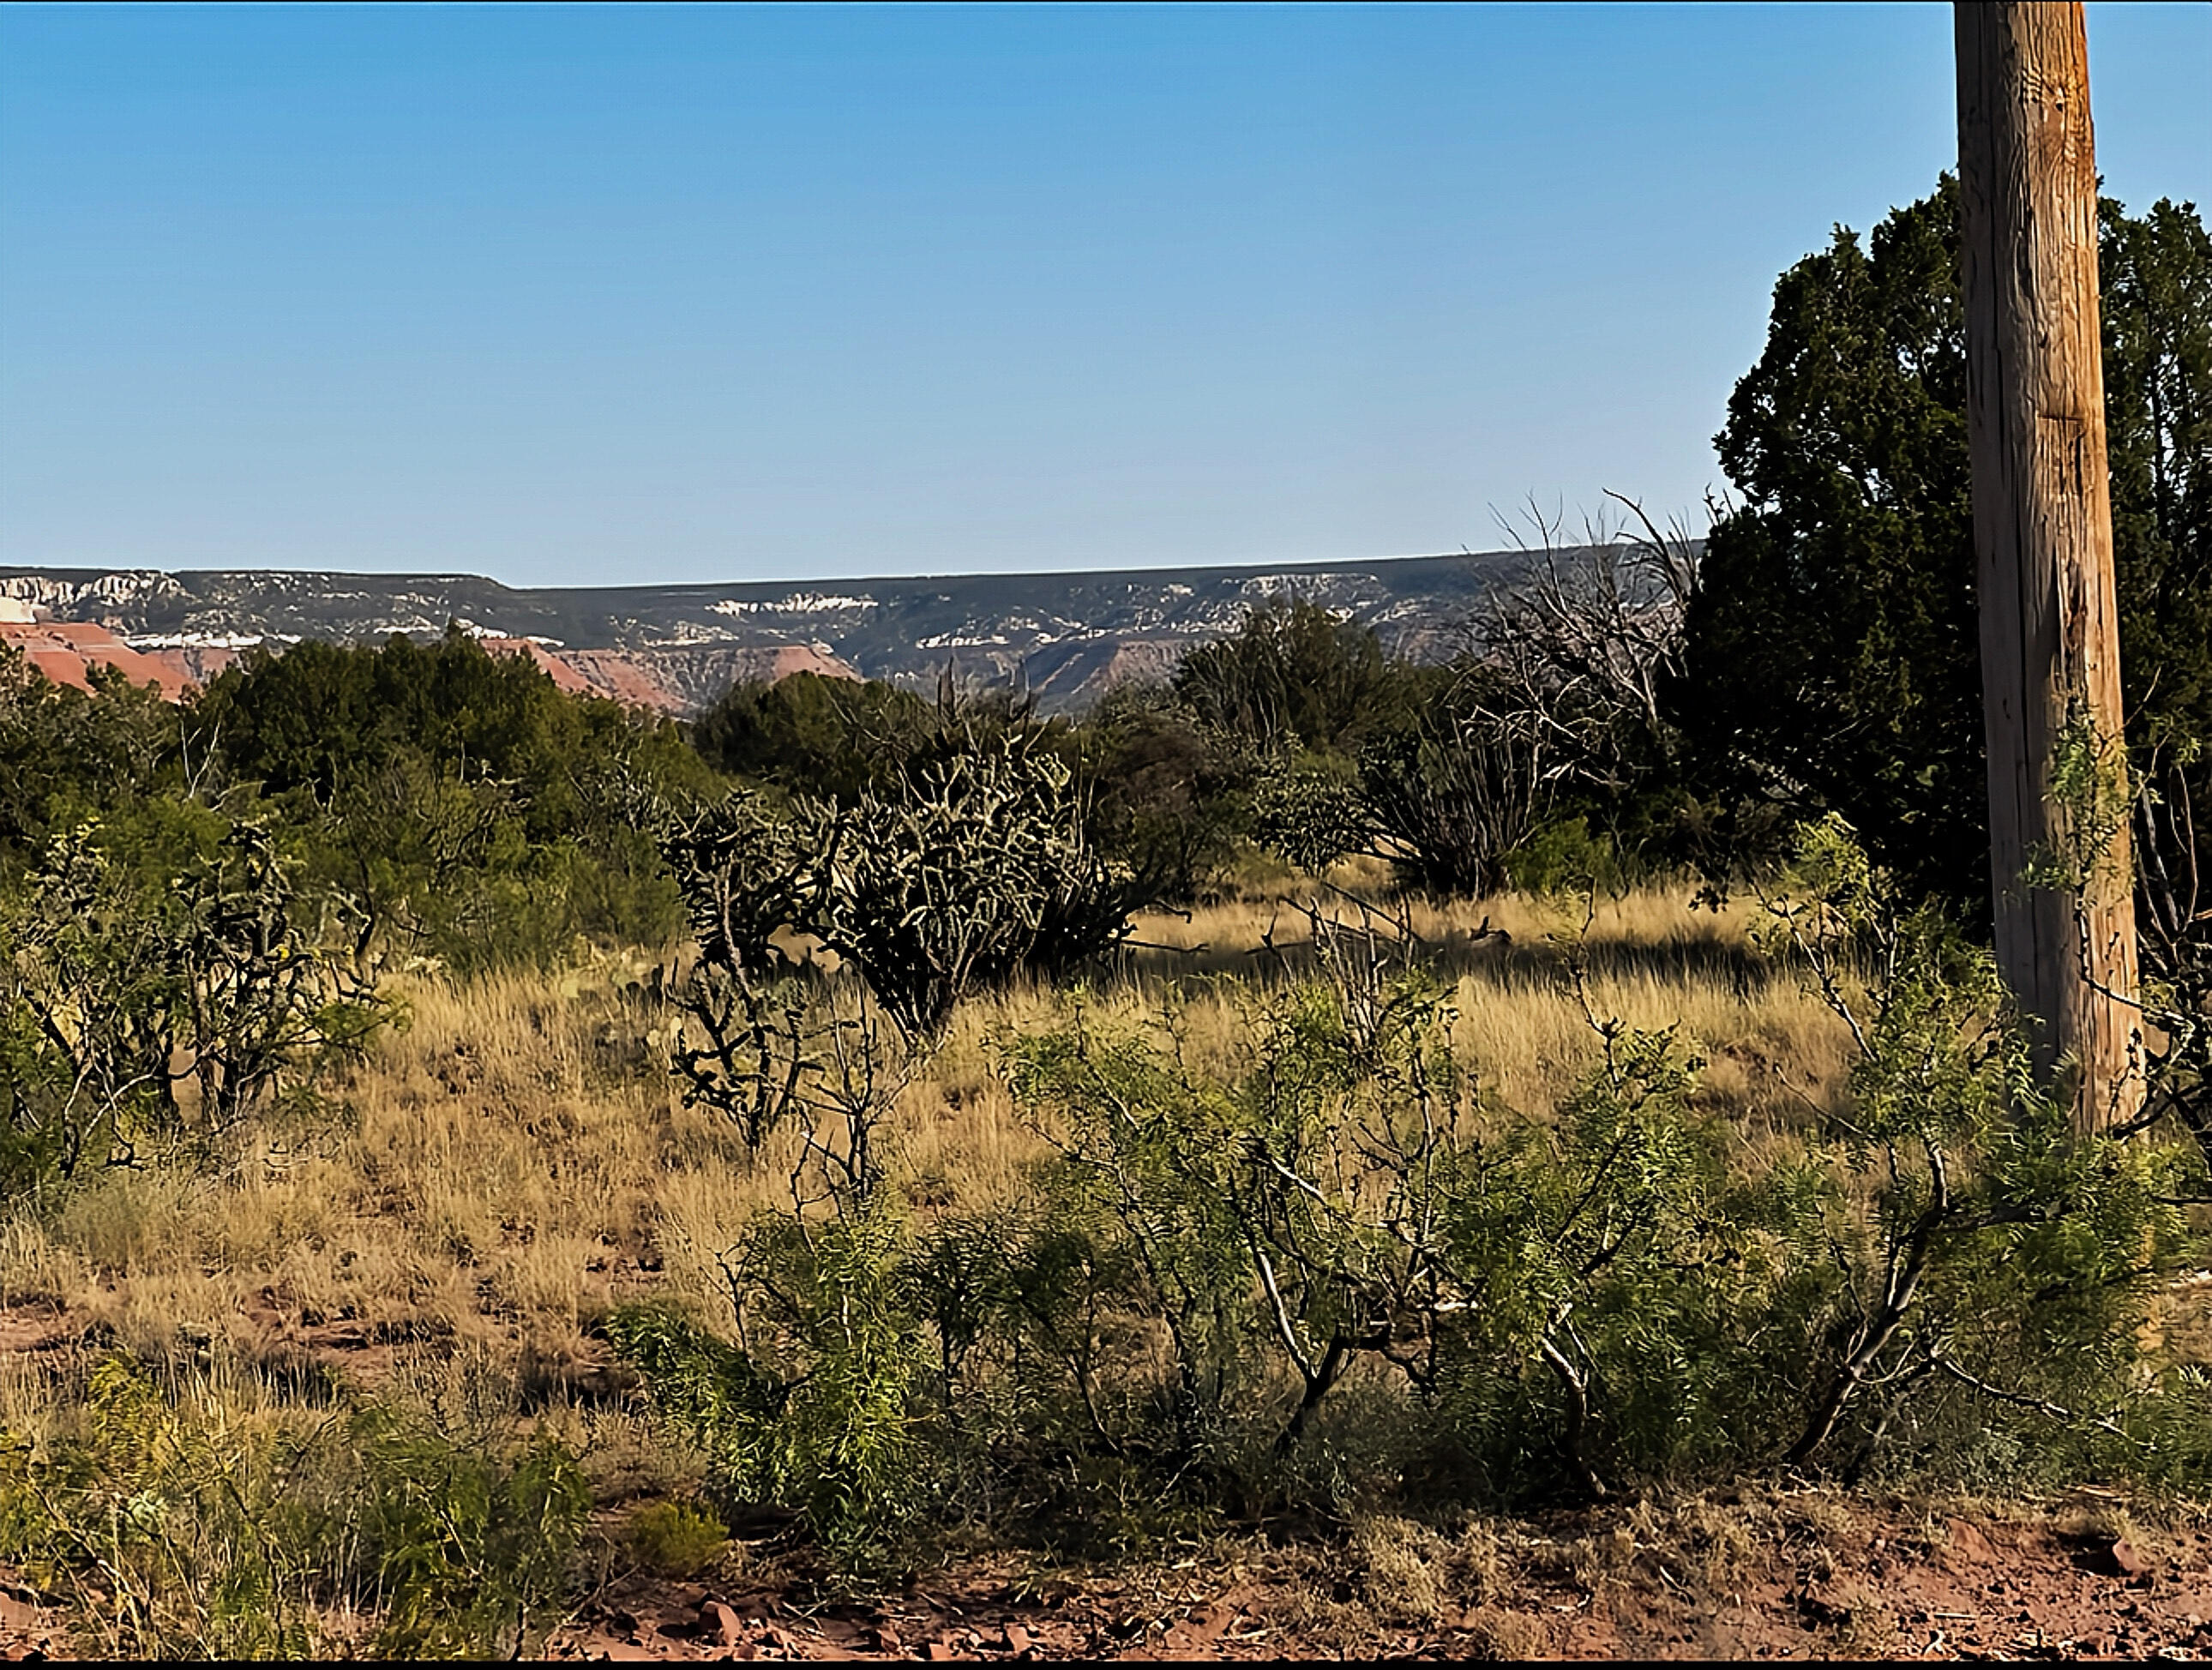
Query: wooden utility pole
[2043,525]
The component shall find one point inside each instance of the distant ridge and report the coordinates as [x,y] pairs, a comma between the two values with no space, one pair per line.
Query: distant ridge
[1068,636]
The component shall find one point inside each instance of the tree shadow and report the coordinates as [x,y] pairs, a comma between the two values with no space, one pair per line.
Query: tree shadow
[1488,957]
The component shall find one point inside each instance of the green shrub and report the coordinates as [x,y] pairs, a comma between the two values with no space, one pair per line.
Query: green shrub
[1563,856]
[817,1413]
[468,1553]
[676,1539]
[184,1529]
[813,734]
[1294,675]
[179,1532]
[1168,797]
[1347,1197]
[1616,1291]
[1310,812]
[1992,1262]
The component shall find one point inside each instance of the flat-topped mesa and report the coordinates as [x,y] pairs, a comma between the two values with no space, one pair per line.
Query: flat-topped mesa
[1067,637]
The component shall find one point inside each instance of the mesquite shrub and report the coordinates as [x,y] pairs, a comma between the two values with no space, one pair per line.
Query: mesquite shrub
[1336,1258]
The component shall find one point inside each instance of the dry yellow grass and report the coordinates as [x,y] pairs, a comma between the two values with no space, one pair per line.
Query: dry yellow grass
[516,1157]
[1651,960]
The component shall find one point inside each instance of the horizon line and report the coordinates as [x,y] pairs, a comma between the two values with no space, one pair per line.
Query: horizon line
[9,570]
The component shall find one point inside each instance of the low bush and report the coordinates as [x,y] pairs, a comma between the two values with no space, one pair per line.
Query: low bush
[676,1539]
[184,1529]
[1939,1280]
[468,1552]
[815,1411]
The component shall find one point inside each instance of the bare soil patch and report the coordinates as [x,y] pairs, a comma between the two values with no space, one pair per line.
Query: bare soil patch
[1813,1574]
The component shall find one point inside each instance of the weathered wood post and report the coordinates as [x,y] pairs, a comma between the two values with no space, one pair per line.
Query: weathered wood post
[2043,523]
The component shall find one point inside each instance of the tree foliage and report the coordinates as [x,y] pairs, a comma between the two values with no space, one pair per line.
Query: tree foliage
[2156,273]
[1833,657]
[809,734]
[67,755]
[466,807]
[1293,675]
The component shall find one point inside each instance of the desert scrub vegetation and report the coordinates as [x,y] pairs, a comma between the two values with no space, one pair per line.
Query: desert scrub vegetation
[189,1527]
[1611,1137]
[1278,1246]
[932,1194]
[158,1003]
[461,1140]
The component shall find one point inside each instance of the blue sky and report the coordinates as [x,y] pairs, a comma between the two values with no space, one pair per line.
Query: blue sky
[580,295]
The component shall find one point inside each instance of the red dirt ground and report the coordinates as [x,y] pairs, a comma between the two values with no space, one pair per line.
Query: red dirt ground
[1828,1577]
[1876,1585]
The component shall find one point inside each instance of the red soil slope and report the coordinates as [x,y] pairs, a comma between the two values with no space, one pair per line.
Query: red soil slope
[67,651]
[676,679]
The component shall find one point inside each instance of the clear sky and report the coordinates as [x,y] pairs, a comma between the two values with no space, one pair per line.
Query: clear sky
[578,295]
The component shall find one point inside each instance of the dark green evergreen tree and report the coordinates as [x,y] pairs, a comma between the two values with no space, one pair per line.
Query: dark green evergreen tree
[830,737]
[2157,283]
[464,805]
[1832,660]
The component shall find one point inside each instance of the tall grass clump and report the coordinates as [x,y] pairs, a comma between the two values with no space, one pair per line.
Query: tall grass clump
[185,1527]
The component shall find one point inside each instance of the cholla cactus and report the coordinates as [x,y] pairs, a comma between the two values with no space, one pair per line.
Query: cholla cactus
[132,969]
[743,1045]
[972,869]
[975,869]
[743,869]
